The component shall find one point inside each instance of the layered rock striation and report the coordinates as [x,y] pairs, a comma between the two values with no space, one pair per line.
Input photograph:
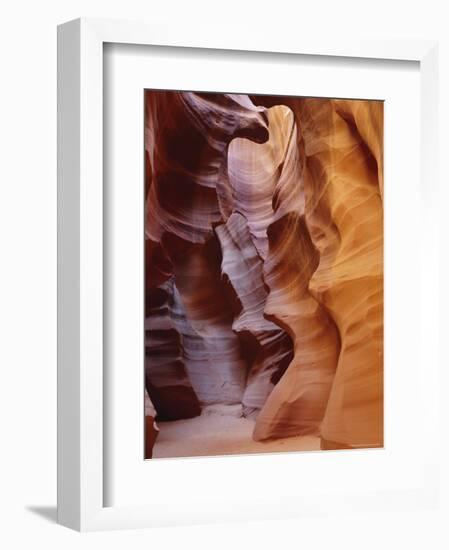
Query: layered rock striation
[264,262]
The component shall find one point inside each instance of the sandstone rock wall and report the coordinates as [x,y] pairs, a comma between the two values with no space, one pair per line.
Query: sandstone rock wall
[264,262]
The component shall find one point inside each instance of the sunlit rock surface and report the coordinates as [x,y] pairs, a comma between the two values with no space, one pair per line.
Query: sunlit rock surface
[264,263]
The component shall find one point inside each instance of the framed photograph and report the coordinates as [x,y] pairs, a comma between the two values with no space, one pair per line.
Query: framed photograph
[246,262]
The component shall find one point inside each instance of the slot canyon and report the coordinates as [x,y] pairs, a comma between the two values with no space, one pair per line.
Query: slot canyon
[263,274]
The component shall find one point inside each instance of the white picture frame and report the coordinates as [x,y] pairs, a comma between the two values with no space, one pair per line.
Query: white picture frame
[81,460]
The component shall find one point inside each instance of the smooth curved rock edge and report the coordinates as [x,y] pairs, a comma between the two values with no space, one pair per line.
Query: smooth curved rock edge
[264,262]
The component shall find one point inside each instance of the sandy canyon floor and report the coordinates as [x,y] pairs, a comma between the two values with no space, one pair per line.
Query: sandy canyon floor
[213,434]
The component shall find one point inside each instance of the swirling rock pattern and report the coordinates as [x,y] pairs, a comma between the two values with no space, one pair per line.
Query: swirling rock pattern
[167,384]
[264,263]
[244,269]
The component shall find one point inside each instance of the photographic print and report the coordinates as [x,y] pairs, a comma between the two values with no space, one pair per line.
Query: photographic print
[263,274]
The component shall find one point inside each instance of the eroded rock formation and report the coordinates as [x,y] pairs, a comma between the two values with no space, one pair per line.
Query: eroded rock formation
[264,262]
[151,428]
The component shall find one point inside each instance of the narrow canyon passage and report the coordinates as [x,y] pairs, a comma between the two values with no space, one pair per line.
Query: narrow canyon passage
[263,274]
